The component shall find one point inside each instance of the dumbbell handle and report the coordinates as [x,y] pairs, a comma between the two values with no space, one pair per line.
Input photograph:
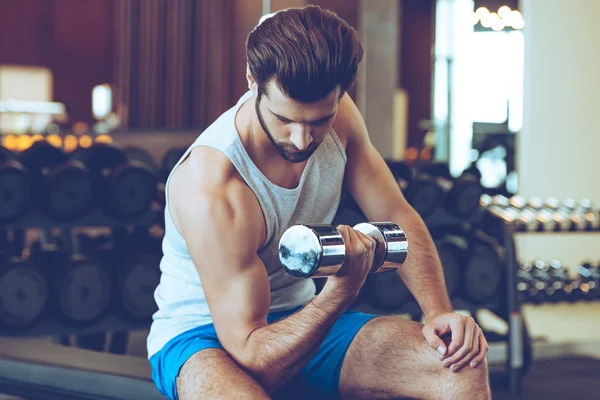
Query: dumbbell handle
[318,249]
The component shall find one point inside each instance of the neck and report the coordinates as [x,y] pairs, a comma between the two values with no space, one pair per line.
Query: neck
[252,134]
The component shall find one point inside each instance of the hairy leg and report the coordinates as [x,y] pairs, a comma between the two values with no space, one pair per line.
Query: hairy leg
[390,359]
[212,374]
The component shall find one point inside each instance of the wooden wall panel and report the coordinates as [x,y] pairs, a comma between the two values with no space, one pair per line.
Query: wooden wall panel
[417,18]
[244,17]
[180,42]
[73,38]
[30,46]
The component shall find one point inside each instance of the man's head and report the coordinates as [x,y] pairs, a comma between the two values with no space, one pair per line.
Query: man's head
[300,62]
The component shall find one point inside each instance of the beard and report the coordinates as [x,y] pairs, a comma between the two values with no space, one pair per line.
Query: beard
[286,150]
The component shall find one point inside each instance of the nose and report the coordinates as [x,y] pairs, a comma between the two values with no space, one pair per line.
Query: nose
[301,137]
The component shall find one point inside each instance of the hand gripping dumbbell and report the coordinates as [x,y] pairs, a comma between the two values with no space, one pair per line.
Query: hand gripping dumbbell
[318,249]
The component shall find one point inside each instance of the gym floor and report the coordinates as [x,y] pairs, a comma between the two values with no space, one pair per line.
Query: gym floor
[560,378]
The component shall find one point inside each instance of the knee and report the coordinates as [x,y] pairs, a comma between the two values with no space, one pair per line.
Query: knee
[471,383]
[468,382]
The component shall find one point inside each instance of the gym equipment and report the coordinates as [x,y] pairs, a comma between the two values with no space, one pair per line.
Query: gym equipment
[589,212]
[123,188]
[483,273]
[588,279]
[535,207]
[461,195]
[81,286]
[169,160]
[421,190]
[23,294]
[563,285]
[566,212]
[15,188]
[318,249]
[512,211]
[453,252]
[386,290]
[62,187]
[555,277]
[529,288]
[141,155]
[554,221]
[134,262]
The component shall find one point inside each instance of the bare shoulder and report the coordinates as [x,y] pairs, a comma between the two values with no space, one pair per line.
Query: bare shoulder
[348,121]
[207,185]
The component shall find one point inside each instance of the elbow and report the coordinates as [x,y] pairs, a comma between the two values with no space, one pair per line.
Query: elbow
[251,360]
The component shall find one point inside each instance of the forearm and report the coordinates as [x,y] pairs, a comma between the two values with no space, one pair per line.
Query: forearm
[276,352]
[422,272]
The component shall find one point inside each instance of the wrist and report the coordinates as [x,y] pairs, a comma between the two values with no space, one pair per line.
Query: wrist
[343,293]
[434,312]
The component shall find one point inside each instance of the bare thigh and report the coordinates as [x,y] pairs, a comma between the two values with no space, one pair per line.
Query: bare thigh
[212,374]
[390,359]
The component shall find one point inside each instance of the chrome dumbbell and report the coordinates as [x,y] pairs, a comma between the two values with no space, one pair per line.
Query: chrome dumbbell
[318,249]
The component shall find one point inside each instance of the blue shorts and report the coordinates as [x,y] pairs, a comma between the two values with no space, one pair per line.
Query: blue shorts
[319,379]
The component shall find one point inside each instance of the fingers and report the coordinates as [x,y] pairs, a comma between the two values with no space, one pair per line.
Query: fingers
[471,354]
[462,343]
[434,340]
[355,242]
[483,350]
[457,327]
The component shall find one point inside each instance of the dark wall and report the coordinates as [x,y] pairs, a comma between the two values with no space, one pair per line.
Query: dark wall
[73,38]
[417,35]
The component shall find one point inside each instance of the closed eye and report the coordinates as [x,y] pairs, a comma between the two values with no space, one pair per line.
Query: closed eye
[321,121]
[284,120]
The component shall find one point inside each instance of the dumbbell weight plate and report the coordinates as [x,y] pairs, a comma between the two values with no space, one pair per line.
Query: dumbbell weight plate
[138,281]
[15,191]
[65,188]
[452,268]
[311,250]
[425,195]
[386,289]
[483,274]
[83,291]
[141,155]
[463,199]
[132,191]
[70,196]
[392,247]
[23,295]
[169,160]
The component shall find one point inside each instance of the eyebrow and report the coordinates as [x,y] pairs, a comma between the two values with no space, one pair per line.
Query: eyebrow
[310,122]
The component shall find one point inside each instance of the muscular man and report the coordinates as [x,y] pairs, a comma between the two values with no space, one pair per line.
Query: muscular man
[231,323]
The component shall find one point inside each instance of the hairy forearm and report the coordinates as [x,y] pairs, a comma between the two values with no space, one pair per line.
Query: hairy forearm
[276,352]
[422,272]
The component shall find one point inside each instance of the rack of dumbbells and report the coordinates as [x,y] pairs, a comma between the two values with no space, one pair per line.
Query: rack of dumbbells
[539,281]
[475,259]
[79,239]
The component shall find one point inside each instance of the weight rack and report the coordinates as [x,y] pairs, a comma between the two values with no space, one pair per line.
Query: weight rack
[94,219]
[510,228]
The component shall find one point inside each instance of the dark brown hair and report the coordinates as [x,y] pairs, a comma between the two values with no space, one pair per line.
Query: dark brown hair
[309,52]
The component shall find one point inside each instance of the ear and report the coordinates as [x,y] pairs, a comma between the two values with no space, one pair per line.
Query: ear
[252,85]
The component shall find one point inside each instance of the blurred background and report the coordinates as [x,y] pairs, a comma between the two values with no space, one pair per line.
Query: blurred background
[485,111]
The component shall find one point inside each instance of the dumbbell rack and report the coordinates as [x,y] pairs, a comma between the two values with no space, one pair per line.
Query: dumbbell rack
[515,316]
[95,218]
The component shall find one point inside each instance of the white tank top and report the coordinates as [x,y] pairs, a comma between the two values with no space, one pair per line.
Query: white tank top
[180,296]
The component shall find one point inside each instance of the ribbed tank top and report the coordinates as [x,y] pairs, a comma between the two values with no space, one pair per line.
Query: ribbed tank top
[180,295]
